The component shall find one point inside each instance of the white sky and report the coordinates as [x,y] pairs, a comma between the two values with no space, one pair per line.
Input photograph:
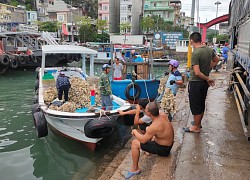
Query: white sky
[207,8]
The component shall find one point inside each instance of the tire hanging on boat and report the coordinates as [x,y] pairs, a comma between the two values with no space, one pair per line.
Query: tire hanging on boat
[100,127]
[77,57]
[14,63]
[29,59]
[137,89]
[35,108]
[5,60]
[70,58]
[35,99]
[40,124]
[36,84]
[22,59]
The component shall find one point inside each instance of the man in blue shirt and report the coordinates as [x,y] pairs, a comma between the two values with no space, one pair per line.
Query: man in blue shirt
[224,53]
[137,58]
[63,85]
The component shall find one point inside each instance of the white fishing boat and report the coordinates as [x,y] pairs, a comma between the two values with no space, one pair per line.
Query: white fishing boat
[80,125]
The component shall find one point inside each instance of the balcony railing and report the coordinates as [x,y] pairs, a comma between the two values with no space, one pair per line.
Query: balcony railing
[158,8]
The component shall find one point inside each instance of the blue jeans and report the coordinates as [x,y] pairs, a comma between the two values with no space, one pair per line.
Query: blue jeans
[106,102]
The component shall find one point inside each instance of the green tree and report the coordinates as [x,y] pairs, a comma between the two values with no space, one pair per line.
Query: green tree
[50,26]
[124,27]
[222,37]
[86,31]
[102,26]
[147,24]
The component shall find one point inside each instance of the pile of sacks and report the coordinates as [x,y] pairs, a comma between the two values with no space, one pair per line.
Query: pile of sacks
[79,96]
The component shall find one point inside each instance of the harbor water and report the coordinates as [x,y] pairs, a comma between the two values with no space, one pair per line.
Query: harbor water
[25,157]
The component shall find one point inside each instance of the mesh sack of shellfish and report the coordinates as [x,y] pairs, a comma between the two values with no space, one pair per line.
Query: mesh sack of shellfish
[168,103]
[79,92]
[162,85]
[49,95]
[68,107]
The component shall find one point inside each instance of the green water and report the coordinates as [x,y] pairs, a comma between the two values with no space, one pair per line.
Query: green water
[25,157]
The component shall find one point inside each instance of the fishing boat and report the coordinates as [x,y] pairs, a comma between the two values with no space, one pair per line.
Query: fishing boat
[136,83]
[82,125]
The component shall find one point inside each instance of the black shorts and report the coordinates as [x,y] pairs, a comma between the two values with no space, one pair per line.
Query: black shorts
[197,96]
[144,126]
[154,148]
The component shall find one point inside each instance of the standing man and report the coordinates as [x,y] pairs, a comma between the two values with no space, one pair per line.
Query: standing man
[105,88]
[224,53]
[158,139]
[62,86]
[203,58]
[118,67]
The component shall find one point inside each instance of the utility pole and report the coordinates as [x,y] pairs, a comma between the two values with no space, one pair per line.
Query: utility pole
[217,4]
[198,16]
[190,32]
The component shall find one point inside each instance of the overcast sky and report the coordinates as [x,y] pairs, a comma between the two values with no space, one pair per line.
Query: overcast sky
[207,8]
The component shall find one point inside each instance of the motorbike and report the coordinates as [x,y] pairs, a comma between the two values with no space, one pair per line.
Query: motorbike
[219,65]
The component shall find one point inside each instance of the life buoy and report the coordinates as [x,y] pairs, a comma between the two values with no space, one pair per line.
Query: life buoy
[70,58]
[14,63]
[5,60]
[22,60]
[137,89]
[40,124]
[100,127]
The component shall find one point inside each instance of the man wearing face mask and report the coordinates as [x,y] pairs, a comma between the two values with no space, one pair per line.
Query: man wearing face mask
[203,58]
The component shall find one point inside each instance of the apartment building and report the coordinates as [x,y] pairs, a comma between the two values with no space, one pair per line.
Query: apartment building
[131,11]
[31,17]
[5,12]
[161,8]
[109,10]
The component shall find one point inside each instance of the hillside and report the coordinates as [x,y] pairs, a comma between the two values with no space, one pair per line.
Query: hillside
[89,6]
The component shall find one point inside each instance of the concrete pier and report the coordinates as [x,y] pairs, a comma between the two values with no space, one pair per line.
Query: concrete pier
[220,151]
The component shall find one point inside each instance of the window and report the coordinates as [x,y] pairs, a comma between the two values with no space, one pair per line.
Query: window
[28,15]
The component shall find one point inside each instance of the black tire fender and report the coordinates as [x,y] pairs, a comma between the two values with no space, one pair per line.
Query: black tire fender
[35,108]
[14,63]
[5,60]
[70,58]
[77,57]
[36,84]
[35,99]
[137,88]
[100,127]
[40,124]
[22,59]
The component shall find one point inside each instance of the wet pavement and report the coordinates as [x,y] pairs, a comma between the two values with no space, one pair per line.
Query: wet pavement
[220,151]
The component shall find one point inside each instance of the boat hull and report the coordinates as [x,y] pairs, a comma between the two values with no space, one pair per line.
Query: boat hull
[149,88]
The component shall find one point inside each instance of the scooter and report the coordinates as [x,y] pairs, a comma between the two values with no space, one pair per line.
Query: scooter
[219,65]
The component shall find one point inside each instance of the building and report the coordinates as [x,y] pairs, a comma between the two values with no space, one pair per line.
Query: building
[42,10]
[223,28]
[11,17]
[177,7]
[31,17]
[109,10]
[184,20]
[161,8]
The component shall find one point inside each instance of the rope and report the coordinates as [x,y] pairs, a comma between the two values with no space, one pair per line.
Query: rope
[146,88]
